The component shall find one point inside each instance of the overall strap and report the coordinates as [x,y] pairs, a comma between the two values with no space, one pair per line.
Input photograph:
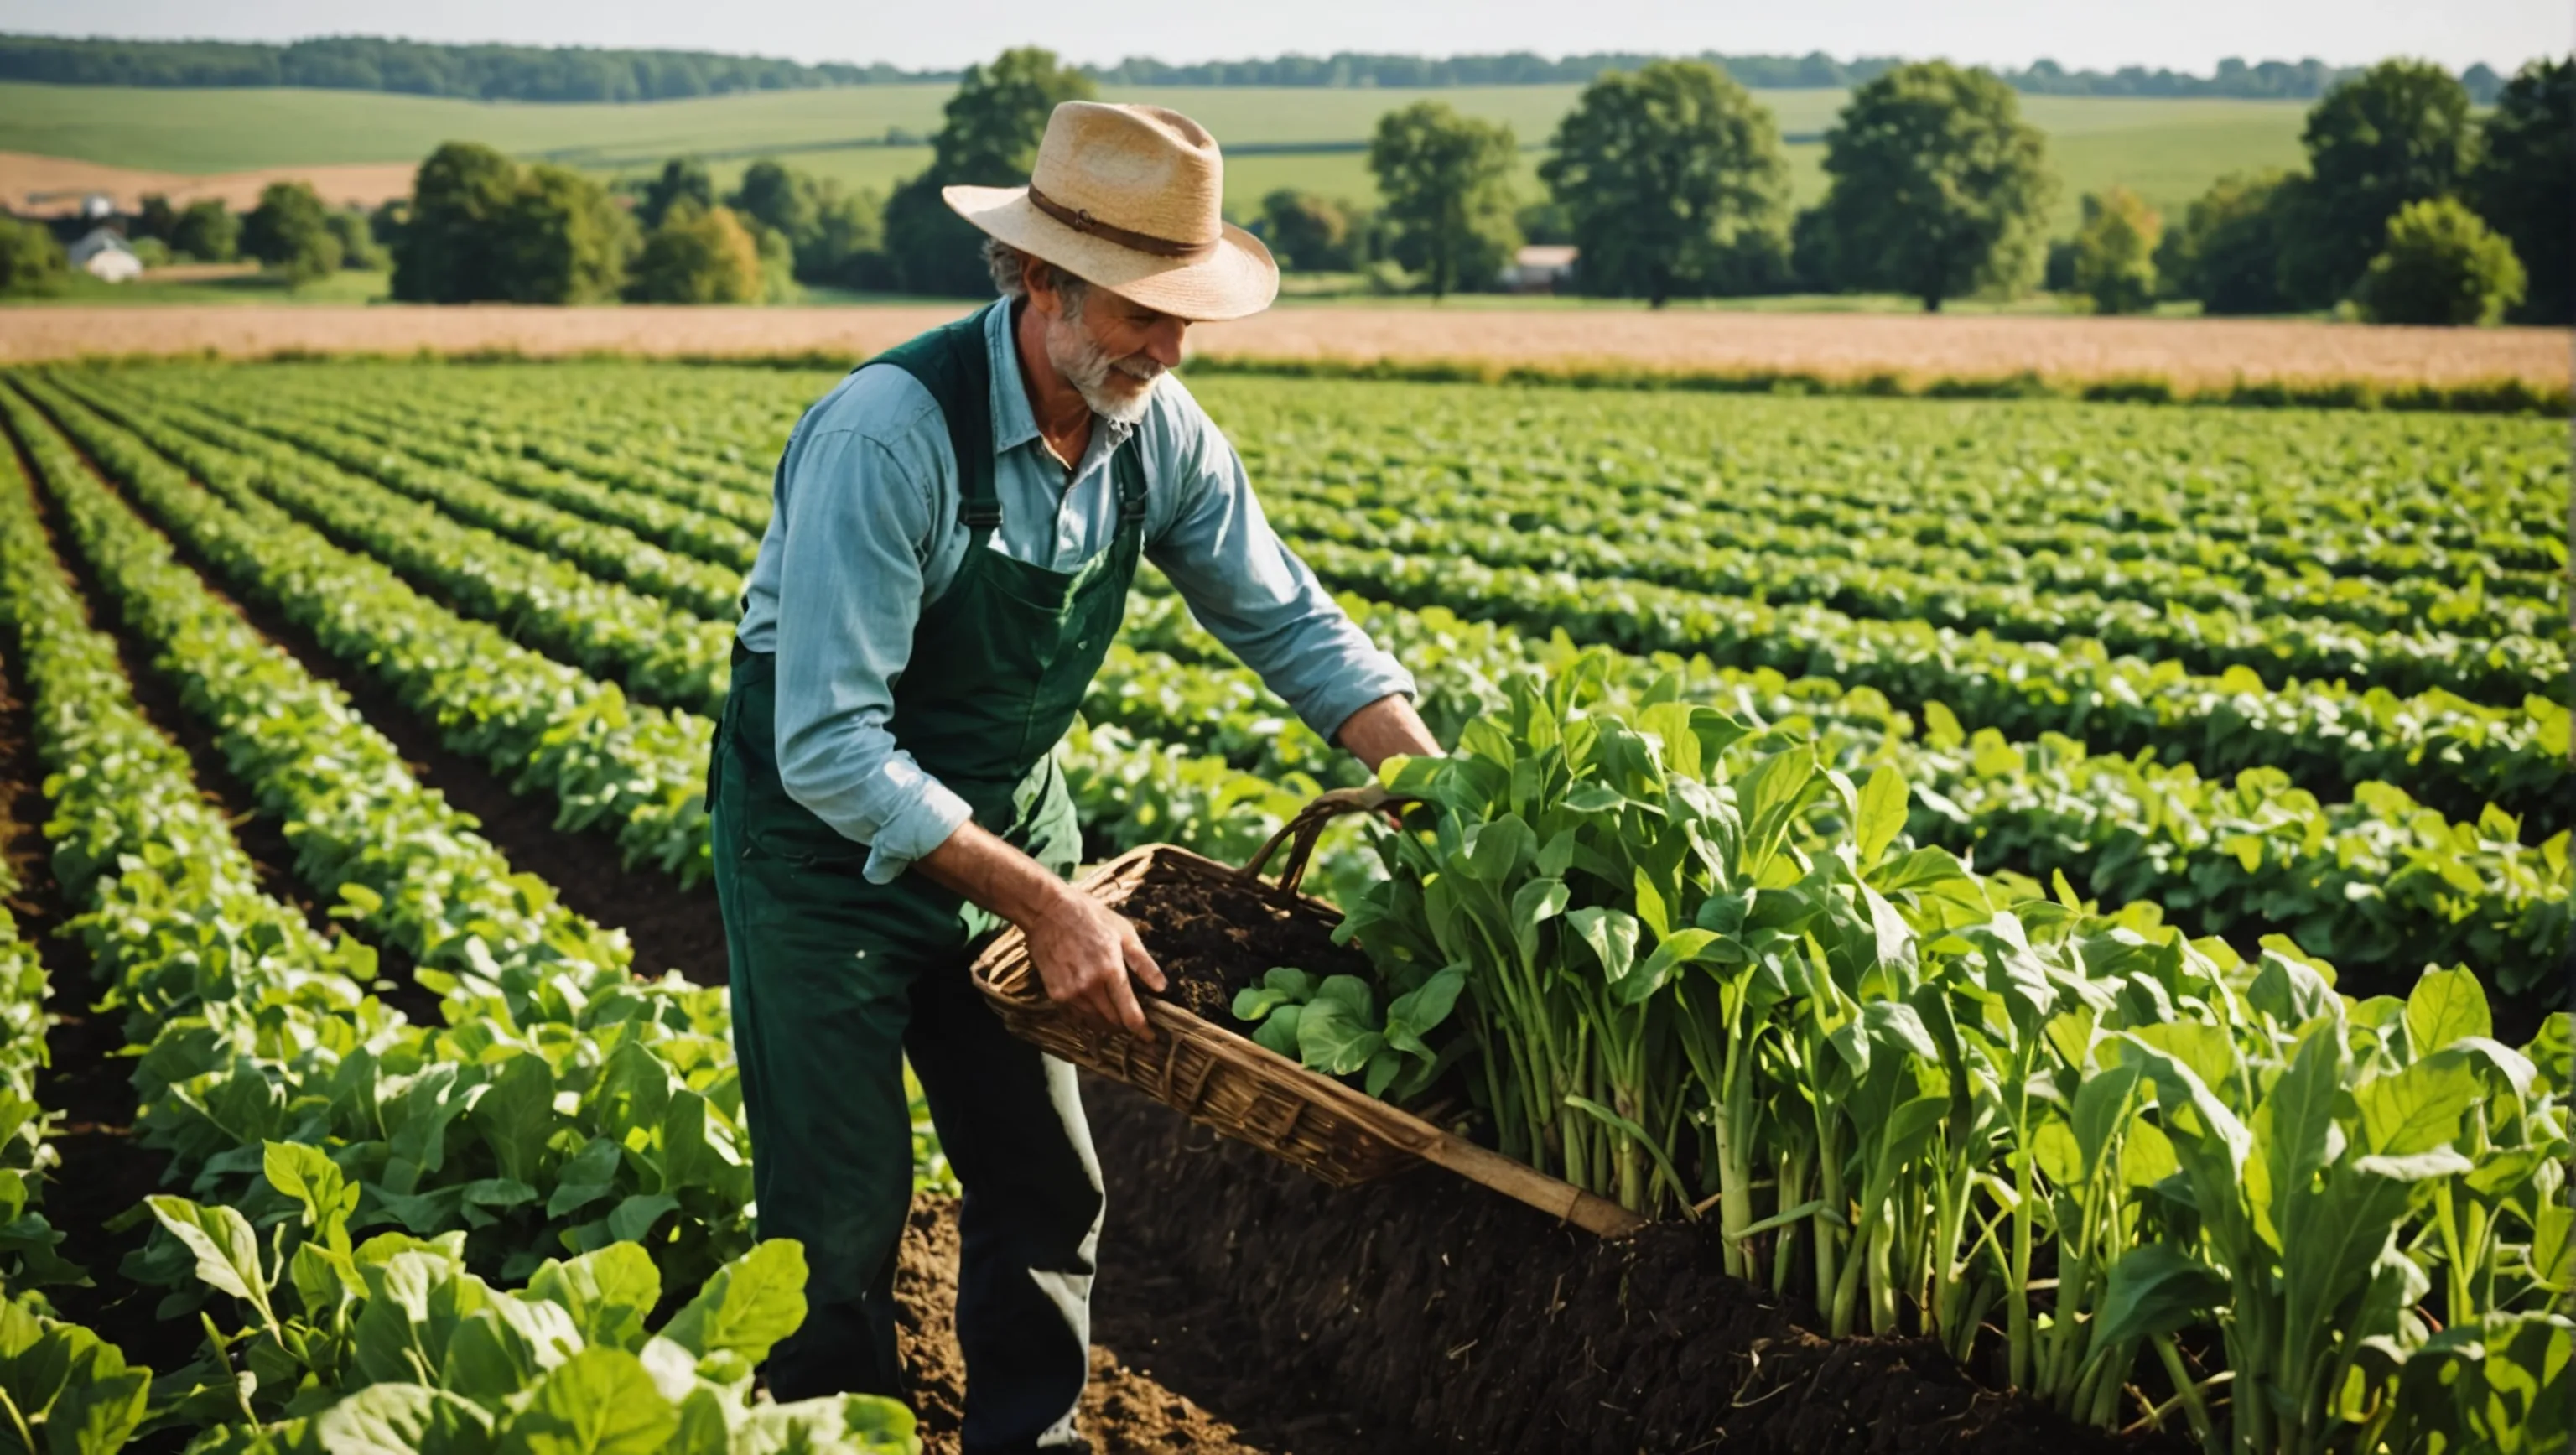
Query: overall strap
[952,362]
[1127,467]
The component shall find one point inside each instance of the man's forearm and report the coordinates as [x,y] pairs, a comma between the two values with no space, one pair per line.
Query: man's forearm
[975,862]
[1386,728]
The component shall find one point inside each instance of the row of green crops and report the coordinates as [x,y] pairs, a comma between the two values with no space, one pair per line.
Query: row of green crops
[250,1027]
[2377,882]
[1702,973]
[2455,754]
[2384,886]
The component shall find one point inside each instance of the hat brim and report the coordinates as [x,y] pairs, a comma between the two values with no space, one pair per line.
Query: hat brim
[1238,280]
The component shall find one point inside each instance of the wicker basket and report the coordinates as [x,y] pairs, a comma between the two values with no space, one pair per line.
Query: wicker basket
[1245,1091]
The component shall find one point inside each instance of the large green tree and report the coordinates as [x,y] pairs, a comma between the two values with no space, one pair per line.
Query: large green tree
[2115,252]
[563,239]
[207,231]
[682,179]
[1673,180]
[2523,181]
[290,231]
[1306,231]
[2227,251]
[450,246]
[2397,133]
[31,261]
[835,236]
[989,139]
[2441,265]
[1446,179]
[698,255]
[1937,187]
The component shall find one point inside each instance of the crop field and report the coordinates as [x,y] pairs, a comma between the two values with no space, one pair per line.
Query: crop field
[2058,914]
[2168,151]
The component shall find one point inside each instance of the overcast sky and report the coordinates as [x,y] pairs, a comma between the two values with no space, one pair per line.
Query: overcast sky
[2182,34]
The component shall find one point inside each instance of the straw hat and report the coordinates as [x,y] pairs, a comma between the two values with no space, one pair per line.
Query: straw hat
[1128,197]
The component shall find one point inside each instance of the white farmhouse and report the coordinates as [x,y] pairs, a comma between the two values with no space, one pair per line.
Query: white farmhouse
[1539,268]
[103,253]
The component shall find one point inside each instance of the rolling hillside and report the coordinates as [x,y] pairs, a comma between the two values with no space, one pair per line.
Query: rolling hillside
[2167,150]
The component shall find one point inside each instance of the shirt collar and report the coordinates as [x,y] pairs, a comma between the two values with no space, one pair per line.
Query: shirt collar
[1014,422]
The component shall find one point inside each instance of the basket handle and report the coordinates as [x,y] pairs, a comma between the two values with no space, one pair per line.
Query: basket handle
[1307,825]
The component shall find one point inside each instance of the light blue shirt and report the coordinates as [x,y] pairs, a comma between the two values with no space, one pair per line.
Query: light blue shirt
[864,534]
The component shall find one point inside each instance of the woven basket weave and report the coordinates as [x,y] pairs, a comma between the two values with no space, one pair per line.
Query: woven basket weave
[1245,1091]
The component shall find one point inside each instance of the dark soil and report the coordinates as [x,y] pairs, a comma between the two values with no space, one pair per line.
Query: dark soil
[1212,939]
[1462,1321]
[1123,1412]
[670,928]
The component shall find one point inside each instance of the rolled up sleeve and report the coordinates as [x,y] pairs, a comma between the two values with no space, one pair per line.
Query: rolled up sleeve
[1253,594]
[849,592]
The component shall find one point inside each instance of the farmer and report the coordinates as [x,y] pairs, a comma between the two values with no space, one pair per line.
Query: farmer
[956,527]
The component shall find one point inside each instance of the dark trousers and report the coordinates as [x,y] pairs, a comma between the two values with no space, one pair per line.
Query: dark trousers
[835,982]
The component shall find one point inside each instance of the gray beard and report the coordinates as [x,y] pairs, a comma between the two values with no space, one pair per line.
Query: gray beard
[1089,368]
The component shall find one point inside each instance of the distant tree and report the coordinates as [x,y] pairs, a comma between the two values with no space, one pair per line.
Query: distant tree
[1937,187]
[151,252]
[2524,178]
[2396,134]
[1674,181]
[359,249]
[2115,252]
[989,139]
[207,231]
[849,248]
[1306,231]
[683,179]
[290,231]
[2227,252]
[31,261]
[450,249]
[155,219]
[777,198]
[385,223]
[2441,264]
[1446,179]
[560,239]
[697,255]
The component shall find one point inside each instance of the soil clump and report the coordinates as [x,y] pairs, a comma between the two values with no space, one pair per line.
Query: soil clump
[1212,938]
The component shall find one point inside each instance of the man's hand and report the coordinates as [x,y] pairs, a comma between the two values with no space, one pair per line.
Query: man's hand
[1083,950]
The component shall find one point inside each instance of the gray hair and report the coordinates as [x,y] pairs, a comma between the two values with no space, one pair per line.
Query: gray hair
[1005,261]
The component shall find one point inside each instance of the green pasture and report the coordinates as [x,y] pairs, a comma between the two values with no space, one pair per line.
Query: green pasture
[2166,150]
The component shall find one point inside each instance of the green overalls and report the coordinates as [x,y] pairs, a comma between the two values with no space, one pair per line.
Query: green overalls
[836,980]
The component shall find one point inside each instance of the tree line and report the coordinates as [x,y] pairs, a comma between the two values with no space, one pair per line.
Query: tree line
[420,68]
[1671,182]
[581,73]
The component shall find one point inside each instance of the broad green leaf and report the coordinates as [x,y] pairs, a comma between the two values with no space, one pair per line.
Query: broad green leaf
[1278,1032]
[607,1292]
[598,1402]
[317,1185]
[2446,1006]
[1612,935]
[1882,815]
[1334,1039]
[2418,1107]
[403,1419]
[515,1115]
[226,1250]
[2156,1289]
[747,1305]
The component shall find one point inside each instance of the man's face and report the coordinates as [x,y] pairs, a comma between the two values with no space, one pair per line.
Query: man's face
[1110,349]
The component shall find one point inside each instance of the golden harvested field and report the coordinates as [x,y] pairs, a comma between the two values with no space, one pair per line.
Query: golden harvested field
[54,186]
[2187,352]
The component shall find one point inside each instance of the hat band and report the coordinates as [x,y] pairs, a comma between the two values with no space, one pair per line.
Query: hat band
[1143,242]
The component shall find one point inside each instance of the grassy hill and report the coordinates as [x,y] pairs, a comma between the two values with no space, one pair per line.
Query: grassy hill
[2167,150]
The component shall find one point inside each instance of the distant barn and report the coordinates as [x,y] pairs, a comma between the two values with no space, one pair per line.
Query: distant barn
[103,253]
